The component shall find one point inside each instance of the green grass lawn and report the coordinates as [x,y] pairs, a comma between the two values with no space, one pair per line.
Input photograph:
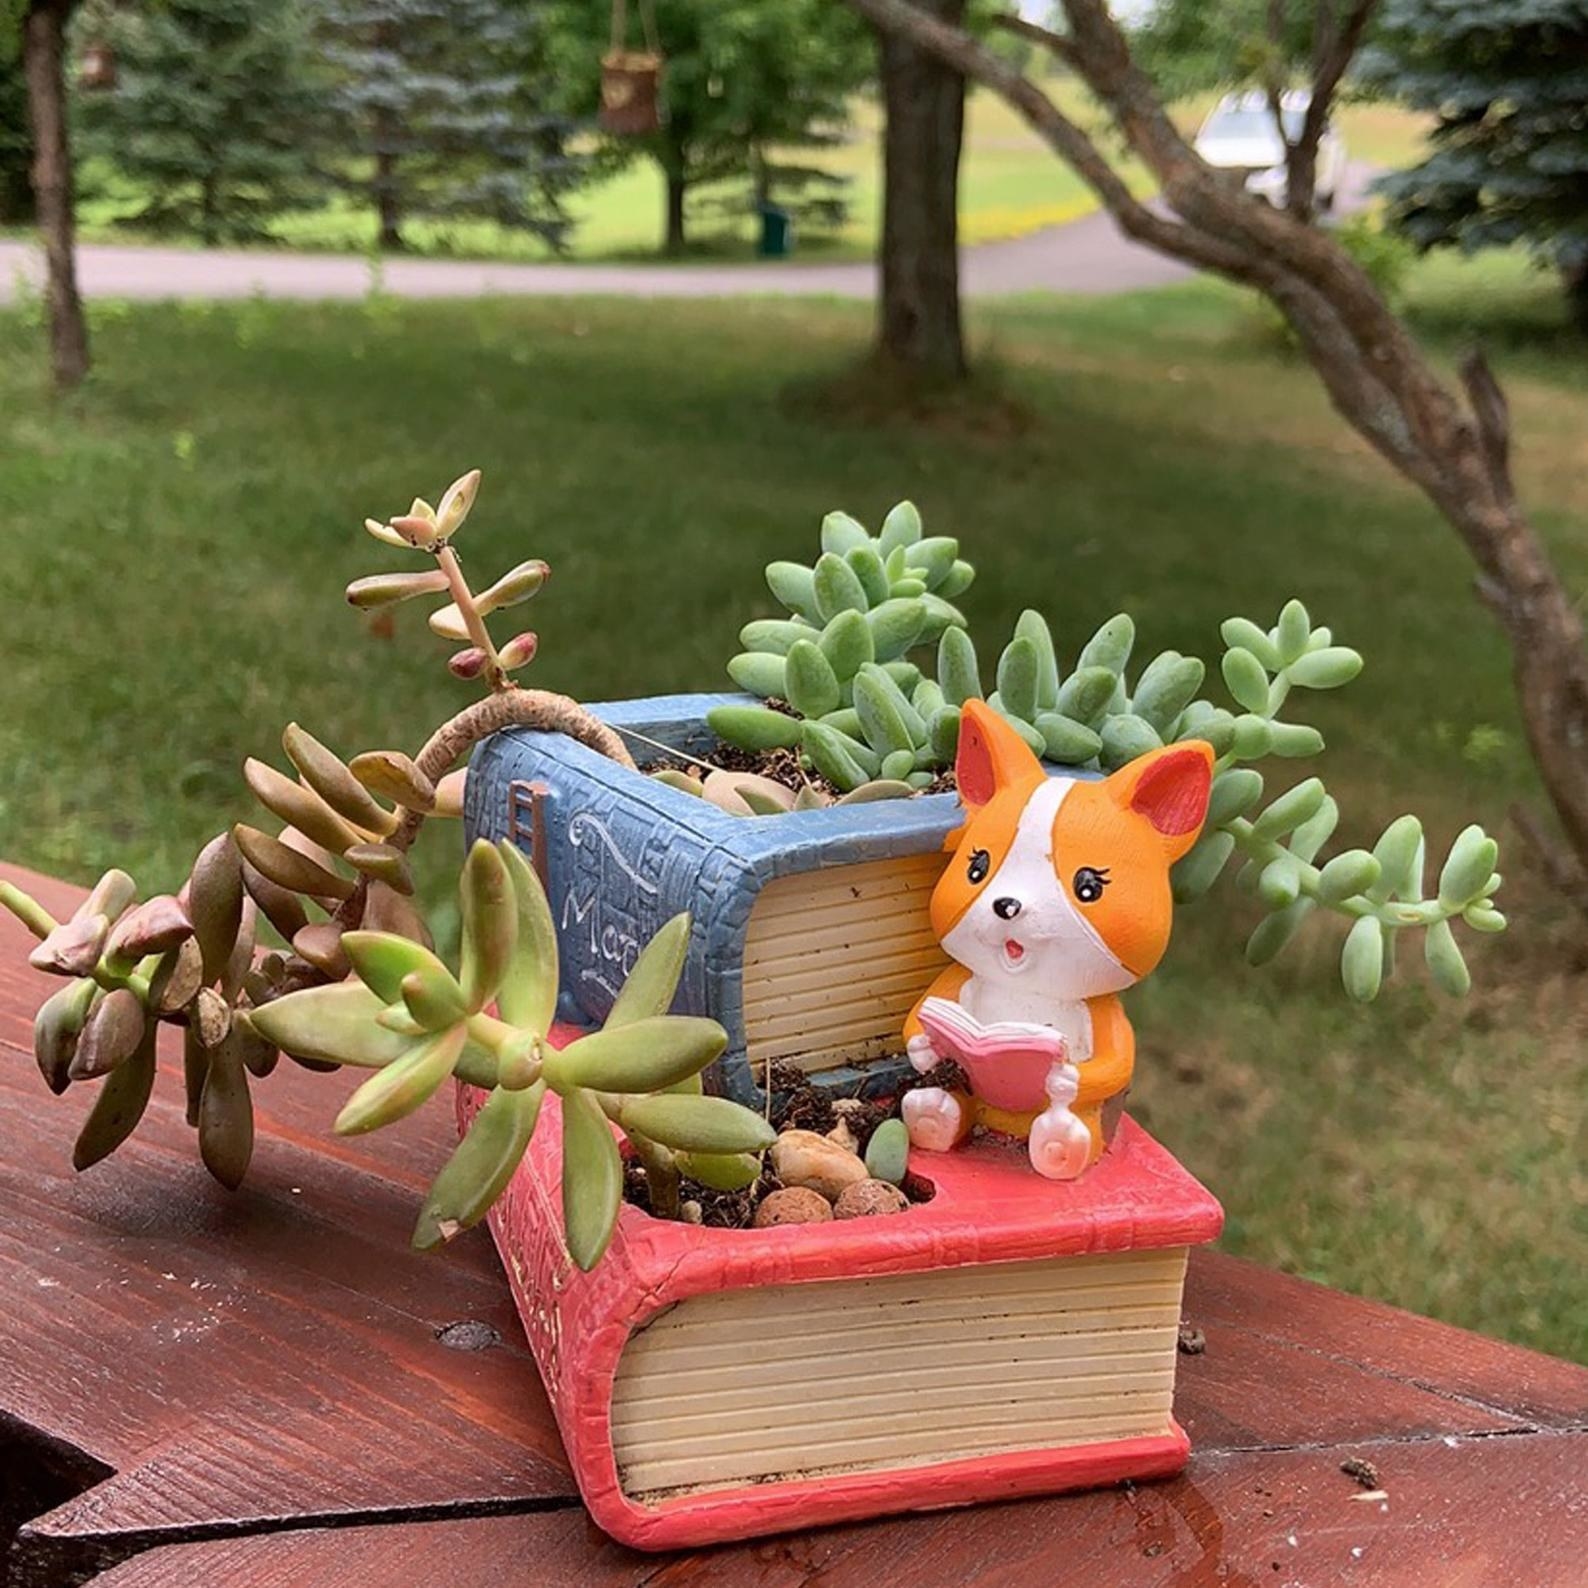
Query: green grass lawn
[179,533]
[1011,183]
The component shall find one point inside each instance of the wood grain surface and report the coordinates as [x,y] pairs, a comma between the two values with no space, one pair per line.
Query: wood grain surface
[264,1388]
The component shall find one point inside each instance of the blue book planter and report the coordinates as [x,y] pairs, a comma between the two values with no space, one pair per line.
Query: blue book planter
[811,940]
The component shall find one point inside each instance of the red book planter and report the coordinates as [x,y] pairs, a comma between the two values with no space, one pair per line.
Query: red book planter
[1011,1336]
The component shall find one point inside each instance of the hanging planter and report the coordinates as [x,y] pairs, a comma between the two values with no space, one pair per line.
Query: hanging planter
[97,72]
[631,80]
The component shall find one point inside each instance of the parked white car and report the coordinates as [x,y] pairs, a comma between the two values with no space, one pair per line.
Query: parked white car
[1239,135]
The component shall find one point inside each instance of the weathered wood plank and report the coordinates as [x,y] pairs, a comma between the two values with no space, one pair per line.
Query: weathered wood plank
[238,1358]
[1480,1512]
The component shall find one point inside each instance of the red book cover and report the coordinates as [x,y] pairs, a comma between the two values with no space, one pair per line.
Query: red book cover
[988,1207]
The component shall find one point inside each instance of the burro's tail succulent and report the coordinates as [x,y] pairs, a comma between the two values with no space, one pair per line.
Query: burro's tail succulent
[415,1024]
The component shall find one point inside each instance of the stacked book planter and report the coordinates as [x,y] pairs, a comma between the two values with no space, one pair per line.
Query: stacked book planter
[1012,1335]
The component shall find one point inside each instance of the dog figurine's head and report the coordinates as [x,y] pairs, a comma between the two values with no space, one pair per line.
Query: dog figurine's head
[1058,883]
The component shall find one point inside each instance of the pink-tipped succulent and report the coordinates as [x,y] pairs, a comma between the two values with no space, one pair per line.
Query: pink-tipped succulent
[462,620]
[333,881]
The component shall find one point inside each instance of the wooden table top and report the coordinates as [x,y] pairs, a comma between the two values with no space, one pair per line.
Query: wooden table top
[269,1387]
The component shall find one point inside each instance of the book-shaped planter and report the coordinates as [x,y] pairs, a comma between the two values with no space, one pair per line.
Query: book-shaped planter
[1011,1336]
[811,938]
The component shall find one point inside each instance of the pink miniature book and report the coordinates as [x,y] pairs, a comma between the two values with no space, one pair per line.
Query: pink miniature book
[1008,1062]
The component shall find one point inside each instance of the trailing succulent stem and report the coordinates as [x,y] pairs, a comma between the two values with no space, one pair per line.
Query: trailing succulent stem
[334,872]
[1380,891]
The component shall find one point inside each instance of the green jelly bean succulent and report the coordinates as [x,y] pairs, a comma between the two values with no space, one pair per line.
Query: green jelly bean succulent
[851,703]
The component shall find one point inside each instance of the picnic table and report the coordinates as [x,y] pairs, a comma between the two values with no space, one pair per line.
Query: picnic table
[270,1387]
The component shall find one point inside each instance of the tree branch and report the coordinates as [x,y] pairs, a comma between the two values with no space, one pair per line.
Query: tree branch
[1493,416]
[1068,140]
[1054,43]
[1333,49]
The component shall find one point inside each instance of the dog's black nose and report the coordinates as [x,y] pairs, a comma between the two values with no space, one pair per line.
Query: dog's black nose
[1006,909]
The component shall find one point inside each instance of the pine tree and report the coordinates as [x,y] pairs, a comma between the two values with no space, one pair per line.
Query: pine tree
[16,145]
[440,110]
[210,115]
[1508,83]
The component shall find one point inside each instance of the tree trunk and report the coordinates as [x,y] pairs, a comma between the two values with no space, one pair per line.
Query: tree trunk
[924,99]
[677,189]
[387,129]
[44,49]
[388,201]
[1574,279]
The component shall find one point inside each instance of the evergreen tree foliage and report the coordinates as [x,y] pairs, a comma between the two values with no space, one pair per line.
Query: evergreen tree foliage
[211,115]
[441,108]
[1507,82]
[16,143]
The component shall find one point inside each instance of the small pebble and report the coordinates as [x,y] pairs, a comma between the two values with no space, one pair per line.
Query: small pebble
[802,1158]
[794,1204]
[691,1213]
[867,1198]
[844,1136]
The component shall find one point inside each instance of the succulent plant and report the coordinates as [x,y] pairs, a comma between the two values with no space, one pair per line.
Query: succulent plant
[853,707]
[839,661]
[333,875]
[432,530]
[1381,892]
[413,1022]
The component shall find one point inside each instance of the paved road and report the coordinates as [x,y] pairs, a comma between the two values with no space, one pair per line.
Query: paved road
[1086,256]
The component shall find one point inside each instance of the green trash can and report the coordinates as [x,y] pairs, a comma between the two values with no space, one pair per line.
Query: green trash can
[777,232]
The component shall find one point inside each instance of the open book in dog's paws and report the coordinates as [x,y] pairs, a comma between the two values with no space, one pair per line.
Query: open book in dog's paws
[1016,1065]
[1007,1062]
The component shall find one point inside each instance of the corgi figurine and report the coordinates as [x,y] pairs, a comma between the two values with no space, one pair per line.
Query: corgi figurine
[1057,899]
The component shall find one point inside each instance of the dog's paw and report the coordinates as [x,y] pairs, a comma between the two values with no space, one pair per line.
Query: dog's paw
[1060,1144]
[932,1117]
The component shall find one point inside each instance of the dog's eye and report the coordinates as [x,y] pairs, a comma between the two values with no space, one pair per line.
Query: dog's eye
[980,865]
[1089,883]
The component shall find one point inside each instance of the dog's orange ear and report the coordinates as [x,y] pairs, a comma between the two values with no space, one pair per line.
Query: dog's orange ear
[1170,788]
[992,756]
